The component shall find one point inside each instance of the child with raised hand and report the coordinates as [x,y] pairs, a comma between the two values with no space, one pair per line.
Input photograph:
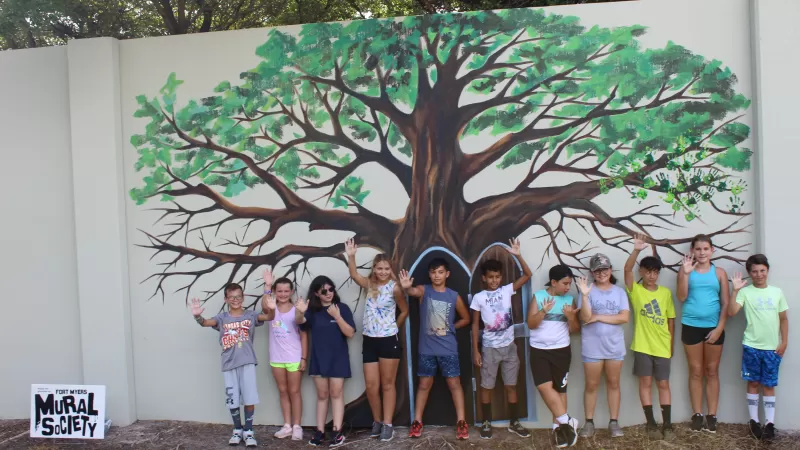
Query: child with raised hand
[703,288]
[381,348]
[288,350]
[604,309]
[331,323]
[236,327]
[552,317]
[765,339]
[653,337]
[437,347]
[493,306]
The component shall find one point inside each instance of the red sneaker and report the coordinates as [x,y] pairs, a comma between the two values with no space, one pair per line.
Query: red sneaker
[416,429]
[462,430]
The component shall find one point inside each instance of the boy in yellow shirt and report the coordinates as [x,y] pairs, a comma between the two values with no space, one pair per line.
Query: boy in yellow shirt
[653,337]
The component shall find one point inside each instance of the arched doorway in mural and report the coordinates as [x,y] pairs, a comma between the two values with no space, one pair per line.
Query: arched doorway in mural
[439,409]
[519,309]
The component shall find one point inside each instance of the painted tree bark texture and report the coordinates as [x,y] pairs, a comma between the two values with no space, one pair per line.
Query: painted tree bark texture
[410,98]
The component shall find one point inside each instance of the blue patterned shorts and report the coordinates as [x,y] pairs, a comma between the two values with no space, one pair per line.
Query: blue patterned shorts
[428,366]
[760,366]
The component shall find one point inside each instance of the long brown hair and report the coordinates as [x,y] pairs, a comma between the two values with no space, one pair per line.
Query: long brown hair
[372,290]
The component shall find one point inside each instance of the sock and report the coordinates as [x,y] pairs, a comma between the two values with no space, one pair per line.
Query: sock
[769,409]
[487,411]
[752,406]
[612,421]
[513,414]
[248,419]
[590,421]
[648,414]
[555,425]
[666,414]
[563,419]
[237,418]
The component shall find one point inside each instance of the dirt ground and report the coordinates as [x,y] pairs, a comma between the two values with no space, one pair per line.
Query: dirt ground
[192,435]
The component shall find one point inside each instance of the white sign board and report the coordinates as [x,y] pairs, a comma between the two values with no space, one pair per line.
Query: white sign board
[68,411]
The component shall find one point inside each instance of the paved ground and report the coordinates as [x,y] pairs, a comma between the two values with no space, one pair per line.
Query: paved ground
[191,435]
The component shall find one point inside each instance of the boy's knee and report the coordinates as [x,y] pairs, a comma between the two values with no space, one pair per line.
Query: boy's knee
[510,389]
[454,383]
[663,385]
[753,384]
[425,384]
[646,382]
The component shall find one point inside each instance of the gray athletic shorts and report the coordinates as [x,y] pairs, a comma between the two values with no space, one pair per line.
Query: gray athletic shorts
[494,358]
[240,386]
[645,365]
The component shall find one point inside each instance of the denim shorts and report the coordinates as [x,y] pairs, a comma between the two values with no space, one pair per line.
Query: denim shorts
[592,360]
[429,365]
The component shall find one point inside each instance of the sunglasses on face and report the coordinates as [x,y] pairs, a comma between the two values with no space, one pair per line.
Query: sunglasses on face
[324,291]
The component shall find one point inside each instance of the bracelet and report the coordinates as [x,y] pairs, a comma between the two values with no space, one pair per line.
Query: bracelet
[199,320]
[303,359]
[268,292]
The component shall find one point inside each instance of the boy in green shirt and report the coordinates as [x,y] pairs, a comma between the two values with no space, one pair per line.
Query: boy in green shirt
[653,336]
[765,310]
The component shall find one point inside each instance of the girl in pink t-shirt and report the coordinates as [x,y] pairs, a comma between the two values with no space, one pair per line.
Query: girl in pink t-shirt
[288,352]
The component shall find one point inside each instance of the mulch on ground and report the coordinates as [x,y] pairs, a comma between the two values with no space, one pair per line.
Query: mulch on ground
[191,435]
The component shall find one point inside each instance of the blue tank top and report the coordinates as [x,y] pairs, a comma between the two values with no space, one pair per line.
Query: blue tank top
[437,333]
[702,306]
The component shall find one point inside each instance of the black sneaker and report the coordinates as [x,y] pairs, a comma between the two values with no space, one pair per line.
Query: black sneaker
[517,428]
[697,422]
[486,430]
[755,429]
[769,432]
[565,436]
[316,441]
[711,424]
[338,439]
[377,427]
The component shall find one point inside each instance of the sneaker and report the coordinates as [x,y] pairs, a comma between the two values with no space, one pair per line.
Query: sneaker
[517,428]
[588,430]
[653,433]
[697,422]
[284,432]
[387,433]
[297,433]
[377,427]
[755,429]
[236,438]
[250,439]
[668,432]
[769,432]
[711,424]
[462,430]
[565,435]
[614,429]
[486,430]
[316,441]
[416,429]
[338,439]
[573,422]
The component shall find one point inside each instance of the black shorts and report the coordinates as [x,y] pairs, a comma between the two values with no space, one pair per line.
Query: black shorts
[375,348]
[695,335]
[551,366]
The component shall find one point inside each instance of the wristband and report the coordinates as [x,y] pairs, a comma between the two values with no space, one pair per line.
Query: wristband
[199,320]
[303,359]
[268,292]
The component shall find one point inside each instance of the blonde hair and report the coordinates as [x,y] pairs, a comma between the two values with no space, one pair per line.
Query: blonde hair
[372,290]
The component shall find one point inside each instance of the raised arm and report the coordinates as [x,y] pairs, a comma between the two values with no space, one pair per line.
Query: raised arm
[402,304]
[683,277]
[463,314]
[584,288]
[300,308]
[197,311]
[526,271]
[407,283]
[738,284]
[351,248]
[571,313]
[638,245]
[536,315]
[268,305]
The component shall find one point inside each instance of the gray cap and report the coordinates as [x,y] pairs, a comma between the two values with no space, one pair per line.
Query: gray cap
[598,262]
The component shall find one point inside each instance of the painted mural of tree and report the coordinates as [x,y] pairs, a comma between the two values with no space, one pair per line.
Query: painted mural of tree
[588,104]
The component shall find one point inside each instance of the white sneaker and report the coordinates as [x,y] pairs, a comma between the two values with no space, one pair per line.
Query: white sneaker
[236,438]
[284,432]
[249,439]
[297,433]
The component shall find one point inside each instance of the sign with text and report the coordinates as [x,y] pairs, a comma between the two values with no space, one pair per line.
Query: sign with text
[68,411]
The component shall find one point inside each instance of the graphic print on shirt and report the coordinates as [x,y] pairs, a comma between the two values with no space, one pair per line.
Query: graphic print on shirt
[236,333]
[653,312]
[764,305]
[380,313]
[438,312]
[502,316]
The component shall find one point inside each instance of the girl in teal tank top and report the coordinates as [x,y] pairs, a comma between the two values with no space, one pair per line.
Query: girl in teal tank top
[703,288]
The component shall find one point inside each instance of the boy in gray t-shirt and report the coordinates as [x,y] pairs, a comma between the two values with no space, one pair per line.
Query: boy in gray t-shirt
[236,327]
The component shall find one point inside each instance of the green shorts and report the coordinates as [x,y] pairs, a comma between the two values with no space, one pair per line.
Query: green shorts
[290,367]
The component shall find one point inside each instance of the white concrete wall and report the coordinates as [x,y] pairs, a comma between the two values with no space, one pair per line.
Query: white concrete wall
[41,331]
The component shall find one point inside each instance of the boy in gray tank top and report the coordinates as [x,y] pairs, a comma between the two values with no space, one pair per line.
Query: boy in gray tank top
[236,333]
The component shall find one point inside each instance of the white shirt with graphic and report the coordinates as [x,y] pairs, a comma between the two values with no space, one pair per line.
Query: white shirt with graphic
[380,318]
[495,309]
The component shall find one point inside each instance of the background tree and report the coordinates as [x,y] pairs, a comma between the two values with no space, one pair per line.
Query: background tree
[38,23]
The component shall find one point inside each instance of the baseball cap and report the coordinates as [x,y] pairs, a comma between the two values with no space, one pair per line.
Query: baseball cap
[598,262]
[559,272]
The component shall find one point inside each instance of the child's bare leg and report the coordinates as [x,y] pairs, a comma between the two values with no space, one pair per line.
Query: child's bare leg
[388,369]
[337,401]
[295,380]
[283,390]
[664,392]
[646,391]
[454,384]
[372,381]
[323,394]
[423,390]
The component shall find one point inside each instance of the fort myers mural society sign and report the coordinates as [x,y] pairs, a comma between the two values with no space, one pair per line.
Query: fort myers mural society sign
[68,411]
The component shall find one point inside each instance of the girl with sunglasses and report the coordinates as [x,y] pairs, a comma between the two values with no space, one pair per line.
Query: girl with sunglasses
[330,323]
